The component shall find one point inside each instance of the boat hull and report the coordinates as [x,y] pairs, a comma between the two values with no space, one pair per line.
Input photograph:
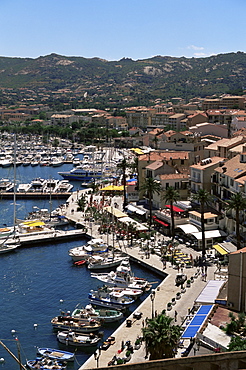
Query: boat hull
[72,339]
[56,354]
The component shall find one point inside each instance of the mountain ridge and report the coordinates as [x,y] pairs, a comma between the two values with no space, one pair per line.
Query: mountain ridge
[141,80]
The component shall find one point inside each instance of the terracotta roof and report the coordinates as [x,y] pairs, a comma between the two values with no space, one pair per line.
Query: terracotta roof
[234,168]
[226,143]
[155,165]
[159,156]
[215,160]
[206,214]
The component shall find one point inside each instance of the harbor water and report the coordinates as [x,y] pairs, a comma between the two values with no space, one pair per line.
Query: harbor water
[37,283]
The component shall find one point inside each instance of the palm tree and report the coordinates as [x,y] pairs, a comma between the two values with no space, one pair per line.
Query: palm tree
[123,165]
[203,197]
[161,337]
[238,203]
[171,196]
[150,186]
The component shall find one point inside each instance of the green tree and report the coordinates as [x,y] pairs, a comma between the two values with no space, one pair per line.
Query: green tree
[150,186]
[171,196]
[81,204]
[237,344]
[161,337]
[238,203]
[202,197]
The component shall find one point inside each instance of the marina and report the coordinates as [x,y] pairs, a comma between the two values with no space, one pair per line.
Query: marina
[43,280]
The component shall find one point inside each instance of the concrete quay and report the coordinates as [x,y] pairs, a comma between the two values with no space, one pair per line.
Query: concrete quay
[164,292]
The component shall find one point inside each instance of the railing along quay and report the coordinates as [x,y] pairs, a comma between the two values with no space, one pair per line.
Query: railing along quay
[30,195]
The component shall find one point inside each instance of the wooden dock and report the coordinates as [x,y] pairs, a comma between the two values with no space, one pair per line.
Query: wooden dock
[44,237]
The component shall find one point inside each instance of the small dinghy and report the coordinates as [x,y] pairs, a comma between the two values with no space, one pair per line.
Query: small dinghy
[56,354]
[80,263]
[70,338]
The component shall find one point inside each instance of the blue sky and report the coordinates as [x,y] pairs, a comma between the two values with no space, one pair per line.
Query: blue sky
[113,29]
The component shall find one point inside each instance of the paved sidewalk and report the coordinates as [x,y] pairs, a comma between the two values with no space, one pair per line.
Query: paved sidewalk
[163,293]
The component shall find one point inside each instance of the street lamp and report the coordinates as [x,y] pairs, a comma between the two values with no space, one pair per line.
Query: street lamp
[152,298]
[97,355]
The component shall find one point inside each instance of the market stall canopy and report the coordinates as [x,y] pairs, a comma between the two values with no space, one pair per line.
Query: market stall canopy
[113,188]
[115,212]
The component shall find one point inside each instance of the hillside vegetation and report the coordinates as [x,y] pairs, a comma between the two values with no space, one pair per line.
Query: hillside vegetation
[126,80]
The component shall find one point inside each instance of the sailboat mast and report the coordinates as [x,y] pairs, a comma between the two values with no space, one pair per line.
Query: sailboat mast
[14,200]
[14,357]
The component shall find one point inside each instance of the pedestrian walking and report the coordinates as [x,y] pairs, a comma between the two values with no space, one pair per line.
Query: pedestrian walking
[175,315]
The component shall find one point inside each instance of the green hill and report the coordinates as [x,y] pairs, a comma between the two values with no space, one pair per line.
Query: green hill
[125,81]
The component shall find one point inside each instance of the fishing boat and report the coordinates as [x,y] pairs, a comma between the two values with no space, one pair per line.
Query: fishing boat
[117,301]
[70,338]
[123,278]
[45,363]
[56,354]
[102,314]
[82,325]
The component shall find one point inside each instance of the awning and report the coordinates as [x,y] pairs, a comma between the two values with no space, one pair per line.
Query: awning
[134,209]
[113,188]
[115,212]
[188,228]
[138,225]
[219,249]
[211,291]
[160,221]
[33,223]
[176,209]
[210,234]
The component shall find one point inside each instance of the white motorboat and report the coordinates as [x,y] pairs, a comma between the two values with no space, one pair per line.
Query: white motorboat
[70,338]
[117,301]
[106,315]
[122,278]
[85,251]
[6,185]
[129,292]
[100,263]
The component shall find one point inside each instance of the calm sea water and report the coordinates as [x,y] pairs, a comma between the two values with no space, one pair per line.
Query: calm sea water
[37,283]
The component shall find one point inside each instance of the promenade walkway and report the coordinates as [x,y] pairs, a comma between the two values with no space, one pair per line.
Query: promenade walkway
[163,293]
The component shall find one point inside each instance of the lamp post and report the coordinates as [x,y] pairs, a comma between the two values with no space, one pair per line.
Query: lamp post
[152,298]
[97,355]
